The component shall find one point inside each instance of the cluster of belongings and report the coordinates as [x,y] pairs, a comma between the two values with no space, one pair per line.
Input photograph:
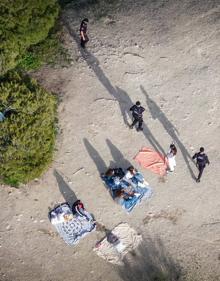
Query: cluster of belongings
[127,189]
[117,243]
[73,224]
[6,113]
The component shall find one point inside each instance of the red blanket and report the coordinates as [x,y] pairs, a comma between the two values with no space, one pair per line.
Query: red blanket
[152,160]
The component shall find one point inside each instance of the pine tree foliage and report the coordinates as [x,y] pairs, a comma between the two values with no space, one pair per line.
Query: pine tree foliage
[23,23]
[27,135]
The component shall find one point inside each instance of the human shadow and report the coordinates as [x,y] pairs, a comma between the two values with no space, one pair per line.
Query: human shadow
[68,194]
[95,156]
[120,95]
[118,157]
[158,114]
[150,262]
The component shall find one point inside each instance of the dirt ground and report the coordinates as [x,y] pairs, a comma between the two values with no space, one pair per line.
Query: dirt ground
[165,54]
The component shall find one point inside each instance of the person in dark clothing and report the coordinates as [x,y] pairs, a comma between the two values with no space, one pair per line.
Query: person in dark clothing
[83,32]
[201,161]
[137,114]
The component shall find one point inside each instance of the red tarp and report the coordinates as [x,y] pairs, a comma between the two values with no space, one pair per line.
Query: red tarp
[152,160]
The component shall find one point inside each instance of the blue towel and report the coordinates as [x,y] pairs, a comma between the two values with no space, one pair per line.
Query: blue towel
[141,190]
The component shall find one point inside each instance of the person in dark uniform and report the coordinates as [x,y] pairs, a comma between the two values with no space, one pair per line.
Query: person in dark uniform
[137,114]
[201,161]
[83,32]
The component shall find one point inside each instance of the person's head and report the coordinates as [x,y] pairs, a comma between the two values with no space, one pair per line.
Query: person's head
[131,169]
[138,103]
[109,172]
[173,148]
[119,193]
[201,149]
[85,20]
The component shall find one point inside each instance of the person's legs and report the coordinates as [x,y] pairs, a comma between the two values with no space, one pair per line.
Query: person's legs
[82,43]
[133,123]
[201,168]
[140,122]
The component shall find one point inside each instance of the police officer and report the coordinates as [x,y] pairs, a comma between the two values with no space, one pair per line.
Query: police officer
[83,32]
[201,161]
[137,114]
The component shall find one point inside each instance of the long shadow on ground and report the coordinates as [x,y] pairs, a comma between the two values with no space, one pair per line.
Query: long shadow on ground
[120,95]
[158,114]
[150,262]
[95,156]
[117,156]
[66,191]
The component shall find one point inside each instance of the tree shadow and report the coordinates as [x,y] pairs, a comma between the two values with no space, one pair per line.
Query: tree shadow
[120,95]
[158,114]
[149,262]
[118,157]
[68,194]
[95,156]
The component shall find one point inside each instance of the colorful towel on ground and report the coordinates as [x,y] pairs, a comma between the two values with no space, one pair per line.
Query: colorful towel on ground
[114,252]
[70,227]
[152,160]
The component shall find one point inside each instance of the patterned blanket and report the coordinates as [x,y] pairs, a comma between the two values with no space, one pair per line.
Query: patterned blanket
[114,252]
[71,227]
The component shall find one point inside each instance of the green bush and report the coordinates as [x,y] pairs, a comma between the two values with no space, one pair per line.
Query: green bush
[23,23]
[49,51]
[27,135]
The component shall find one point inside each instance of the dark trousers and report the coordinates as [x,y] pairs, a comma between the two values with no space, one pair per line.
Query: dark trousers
[83,42]
[139,121]
[201,168]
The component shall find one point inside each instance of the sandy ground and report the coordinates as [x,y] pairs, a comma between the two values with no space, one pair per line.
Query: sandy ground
[165,54]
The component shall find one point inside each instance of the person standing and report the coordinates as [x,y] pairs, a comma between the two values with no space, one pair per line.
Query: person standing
[171,157]
[201,161]
[83,32]
[137,114]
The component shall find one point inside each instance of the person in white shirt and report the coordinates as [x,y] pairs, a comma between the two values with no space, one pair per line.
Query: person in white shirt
[171,155]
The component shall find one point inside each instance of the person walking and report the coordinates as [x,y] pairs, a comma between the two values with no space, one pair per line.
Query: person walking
[201,161]
[171,157]
[137,114]
[83,32]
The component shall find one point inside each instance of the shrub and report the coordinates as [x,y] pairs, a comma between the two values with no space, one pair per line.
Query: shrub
[50,51]
[27,134]
[23,23]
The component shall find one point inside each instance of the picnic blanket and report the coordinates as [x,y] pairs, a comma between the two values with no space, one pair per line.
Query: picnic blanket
[152,160]
[125,240]
[140,188]
[71,227]
[140,193]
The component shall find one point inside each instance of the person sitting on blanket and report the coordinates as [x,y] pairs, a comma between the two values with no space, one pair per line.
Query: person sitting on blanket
[113,179]
[134,177]
[121,193]
[78,208]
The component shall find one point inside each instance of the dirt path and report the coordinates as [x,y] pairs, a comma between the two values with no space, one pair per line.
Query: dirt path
[167,56]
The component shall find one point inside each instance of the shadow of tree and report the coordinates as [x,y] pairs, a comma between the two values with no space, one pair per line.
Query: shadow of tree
[158,114]
[120,95]
[68,194]
[150,262]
